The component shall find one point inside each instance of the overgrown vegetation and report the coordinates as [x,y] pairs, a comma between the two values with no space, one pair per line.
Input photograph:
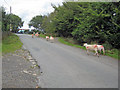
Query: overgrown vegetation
[42,35]
[65,41]
[84,21]
[0,49]
[91,22]
[10,20]
[112,53]
[11,43]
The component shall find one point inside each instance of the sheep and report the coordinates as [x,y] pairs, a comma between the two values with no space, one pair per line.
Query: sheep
[37,34]
[91,47]
[47,38]
[51,38]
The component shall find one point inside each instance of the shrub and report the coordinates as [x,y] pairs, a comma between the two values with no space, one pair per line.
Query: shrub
[107,46]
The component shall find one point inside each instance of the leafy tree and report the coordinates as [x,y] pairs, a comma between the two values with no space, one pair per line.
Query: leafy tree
[8,19]
[36,22]
[98,24]
[4,19]
[15,22]
[85,22]
[114,25]
[64,20]
[48,23]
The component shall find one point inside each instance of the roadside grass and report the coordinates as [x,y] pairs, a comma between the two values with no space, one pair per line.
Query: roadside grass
[112,53]
[0,49]
[62,40]
[11,43]
[42,35]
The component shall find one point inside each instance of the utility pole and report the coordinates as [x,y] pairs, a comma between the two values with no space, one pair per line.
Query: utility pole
[10,14]
[10,9]
[10,19]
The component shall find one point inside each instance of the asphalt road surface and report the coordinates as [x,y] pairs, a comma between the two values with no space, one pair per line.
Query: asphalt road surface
[69,67]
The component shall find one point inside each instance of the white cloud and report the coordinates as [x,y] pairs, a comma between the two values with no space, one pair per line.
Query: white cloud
[26,9]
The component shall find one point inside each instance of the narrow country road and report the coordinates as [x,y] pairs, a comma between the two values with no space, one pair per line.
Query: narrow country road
[69,67]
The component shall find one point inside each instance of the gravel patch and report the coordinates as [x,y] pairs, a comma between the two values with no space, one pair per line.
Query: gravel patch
[20,70]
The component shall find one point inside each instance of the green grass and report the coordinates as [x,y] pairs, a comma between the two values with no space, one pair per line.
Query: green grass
[11,43]
[112,53]
[70,44]
[42,35]
[0,48]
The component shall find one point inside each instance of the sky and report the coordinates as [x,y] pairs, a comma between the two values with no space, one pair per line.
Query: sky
[27,9]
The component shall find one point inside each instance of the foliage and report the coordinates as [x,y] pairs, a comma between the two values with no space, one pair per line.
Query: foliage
[36,22]
[112,53]
[42,35]
[15,22]
[89,22]
[85,22]
[8,19]
[48,23]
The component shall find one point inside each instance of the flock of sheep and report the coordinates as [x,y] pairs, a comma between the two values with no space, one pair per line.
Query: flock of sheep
[93,47]
[51,38]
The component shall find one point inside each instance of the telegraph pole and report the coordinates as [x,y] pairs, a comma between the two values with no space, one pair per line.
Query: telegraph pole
[10,14]
[10,19]
[10,9]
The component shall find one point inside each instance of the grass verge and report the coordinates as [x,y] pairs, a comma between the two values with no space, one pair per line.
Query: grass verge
[112,53]
[42,35]
[70,44]
[0,49]
[11,43]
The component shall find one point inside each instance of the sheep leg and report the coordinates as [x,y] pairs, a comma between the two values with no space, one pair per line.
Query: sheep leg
[100,51]
[96,53]
[87,52]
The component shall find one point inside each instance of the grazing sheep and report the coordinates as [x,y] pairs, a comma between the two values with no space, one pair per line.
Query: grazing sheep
[92,47]
[47,38]
[37,34]
[51,38]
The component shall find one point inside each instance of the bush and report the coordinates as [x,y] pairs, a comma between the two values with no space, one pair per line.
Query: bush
[107,46]
[5,34]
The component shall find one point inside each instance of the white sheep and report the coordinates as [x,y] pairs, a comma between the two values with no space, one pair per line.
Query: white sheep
[51,38]
[91,47]
[47,38]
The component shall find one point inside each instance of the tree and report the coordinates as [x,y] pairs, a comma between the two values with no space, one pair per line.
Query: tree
[89,22]
[100,23]
[86,22]
[4,19]
[15,22]
[36,22]
[8,19]
[48,23]
[63,20]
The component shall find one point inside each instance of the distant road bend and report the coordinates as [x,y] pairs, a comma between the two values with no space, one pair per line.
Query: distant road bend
[69,67]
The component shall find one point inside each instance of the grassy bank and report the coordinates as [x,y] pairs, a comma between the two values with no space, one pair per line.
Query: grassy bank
[0,49]
[42,35]
[11,43]
[62,40]
[112,53]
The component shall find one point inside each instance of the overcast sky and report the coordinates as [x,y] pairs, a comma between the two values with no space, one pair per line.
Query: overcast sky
[26,9]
